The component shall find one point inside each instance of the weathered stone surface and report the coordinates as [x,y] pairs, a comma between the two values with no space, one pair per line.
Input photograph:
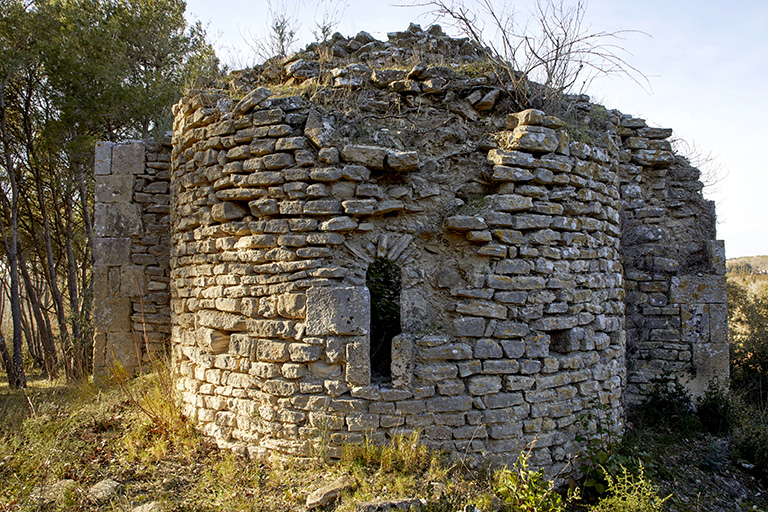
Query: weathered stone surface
[112,251]
[223,212]
[103,158]
[694,289]
[114,189]
[338,310]
[325,495]
[152,506]
[370,156]
[252,99]
[128,159]
[104,490]
[402,161]
[535,139]
[118,220]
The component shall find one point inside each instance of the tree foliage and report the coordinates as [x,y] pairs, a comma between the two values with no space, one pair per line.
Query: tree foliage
[748,333]
[73,72]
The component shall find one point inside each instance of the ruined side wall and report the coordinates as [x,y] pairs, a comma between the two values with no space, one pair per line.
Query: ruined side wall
[677,317]
[131,253]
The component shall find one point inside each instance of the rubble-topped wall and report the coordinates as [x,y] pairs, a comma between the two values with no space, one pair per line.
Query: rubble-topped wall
[131,312]
[536,271]
[674,268]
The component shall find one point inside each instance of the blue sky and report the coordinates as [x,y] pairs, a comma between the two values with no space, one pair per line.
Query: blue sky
[706,60]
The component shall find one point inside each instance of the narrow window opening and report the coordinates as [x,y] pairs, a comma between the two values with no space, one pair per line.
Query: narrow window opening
[384,282]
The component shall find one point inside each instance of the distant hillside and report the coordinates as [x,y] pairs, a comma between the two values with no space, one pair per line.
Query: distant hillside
[748,265]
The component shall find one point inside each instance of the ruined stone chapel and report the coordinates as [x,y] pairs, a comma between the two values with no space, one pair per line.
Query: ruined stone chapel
[370,238]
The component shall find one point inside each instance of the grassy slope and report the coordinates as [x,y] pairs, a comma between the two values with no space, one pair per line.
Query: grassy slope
[51,432]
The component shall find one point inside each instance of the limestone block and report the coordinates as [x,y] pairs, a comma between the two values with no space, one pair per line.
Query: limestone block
[512,158]
[113,189]
[465,223]
[710,364]
[695,323]
[402,361]
[484,385]
[359,206]
[322,207]
[469,326]
[252,99]
[653,157]
[267,117]
[278,160]
[555,323]
[220,320]
[239,344]
[282,329]
[133,280]
[112,251]
[695,289]
[514,174]
[512,203]
[113,314]
[339,224]
[292,305]
[535,139]
[402,161]
[531,117]
[450,352]
[121,348]
[716,249]
[338,310]
[436,372]
[302,353]
[213,341]
[655,133]
[370,156]
[358,367]
[117,220]
[484,309]
[102,164]
[128,158]
[449,404]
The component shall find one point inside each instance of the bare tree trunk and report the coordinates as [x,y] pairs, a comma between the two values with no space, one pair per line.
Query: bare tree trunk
[43,330]
[87,277]
[80,363]
[11,242]
[33,343]
[7,363]
[50,263]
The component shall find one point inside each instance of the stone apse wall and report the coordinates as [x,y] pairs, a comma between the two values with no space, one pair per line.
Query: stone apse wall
[548,270]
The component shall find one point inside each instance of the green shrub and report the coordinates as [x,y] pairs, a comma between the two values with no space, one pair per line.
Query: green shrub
[526,490]
[749,439]
[630,492]
[716,410]
[605,452]
[670,407]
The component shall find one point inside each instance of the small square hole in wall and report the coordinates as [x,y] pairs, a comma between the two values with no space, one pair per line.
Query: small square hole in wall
[563,341]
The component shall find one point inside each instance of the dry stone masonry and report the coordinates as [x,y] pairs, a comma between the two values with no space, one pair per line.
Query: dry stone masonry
[532,271]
